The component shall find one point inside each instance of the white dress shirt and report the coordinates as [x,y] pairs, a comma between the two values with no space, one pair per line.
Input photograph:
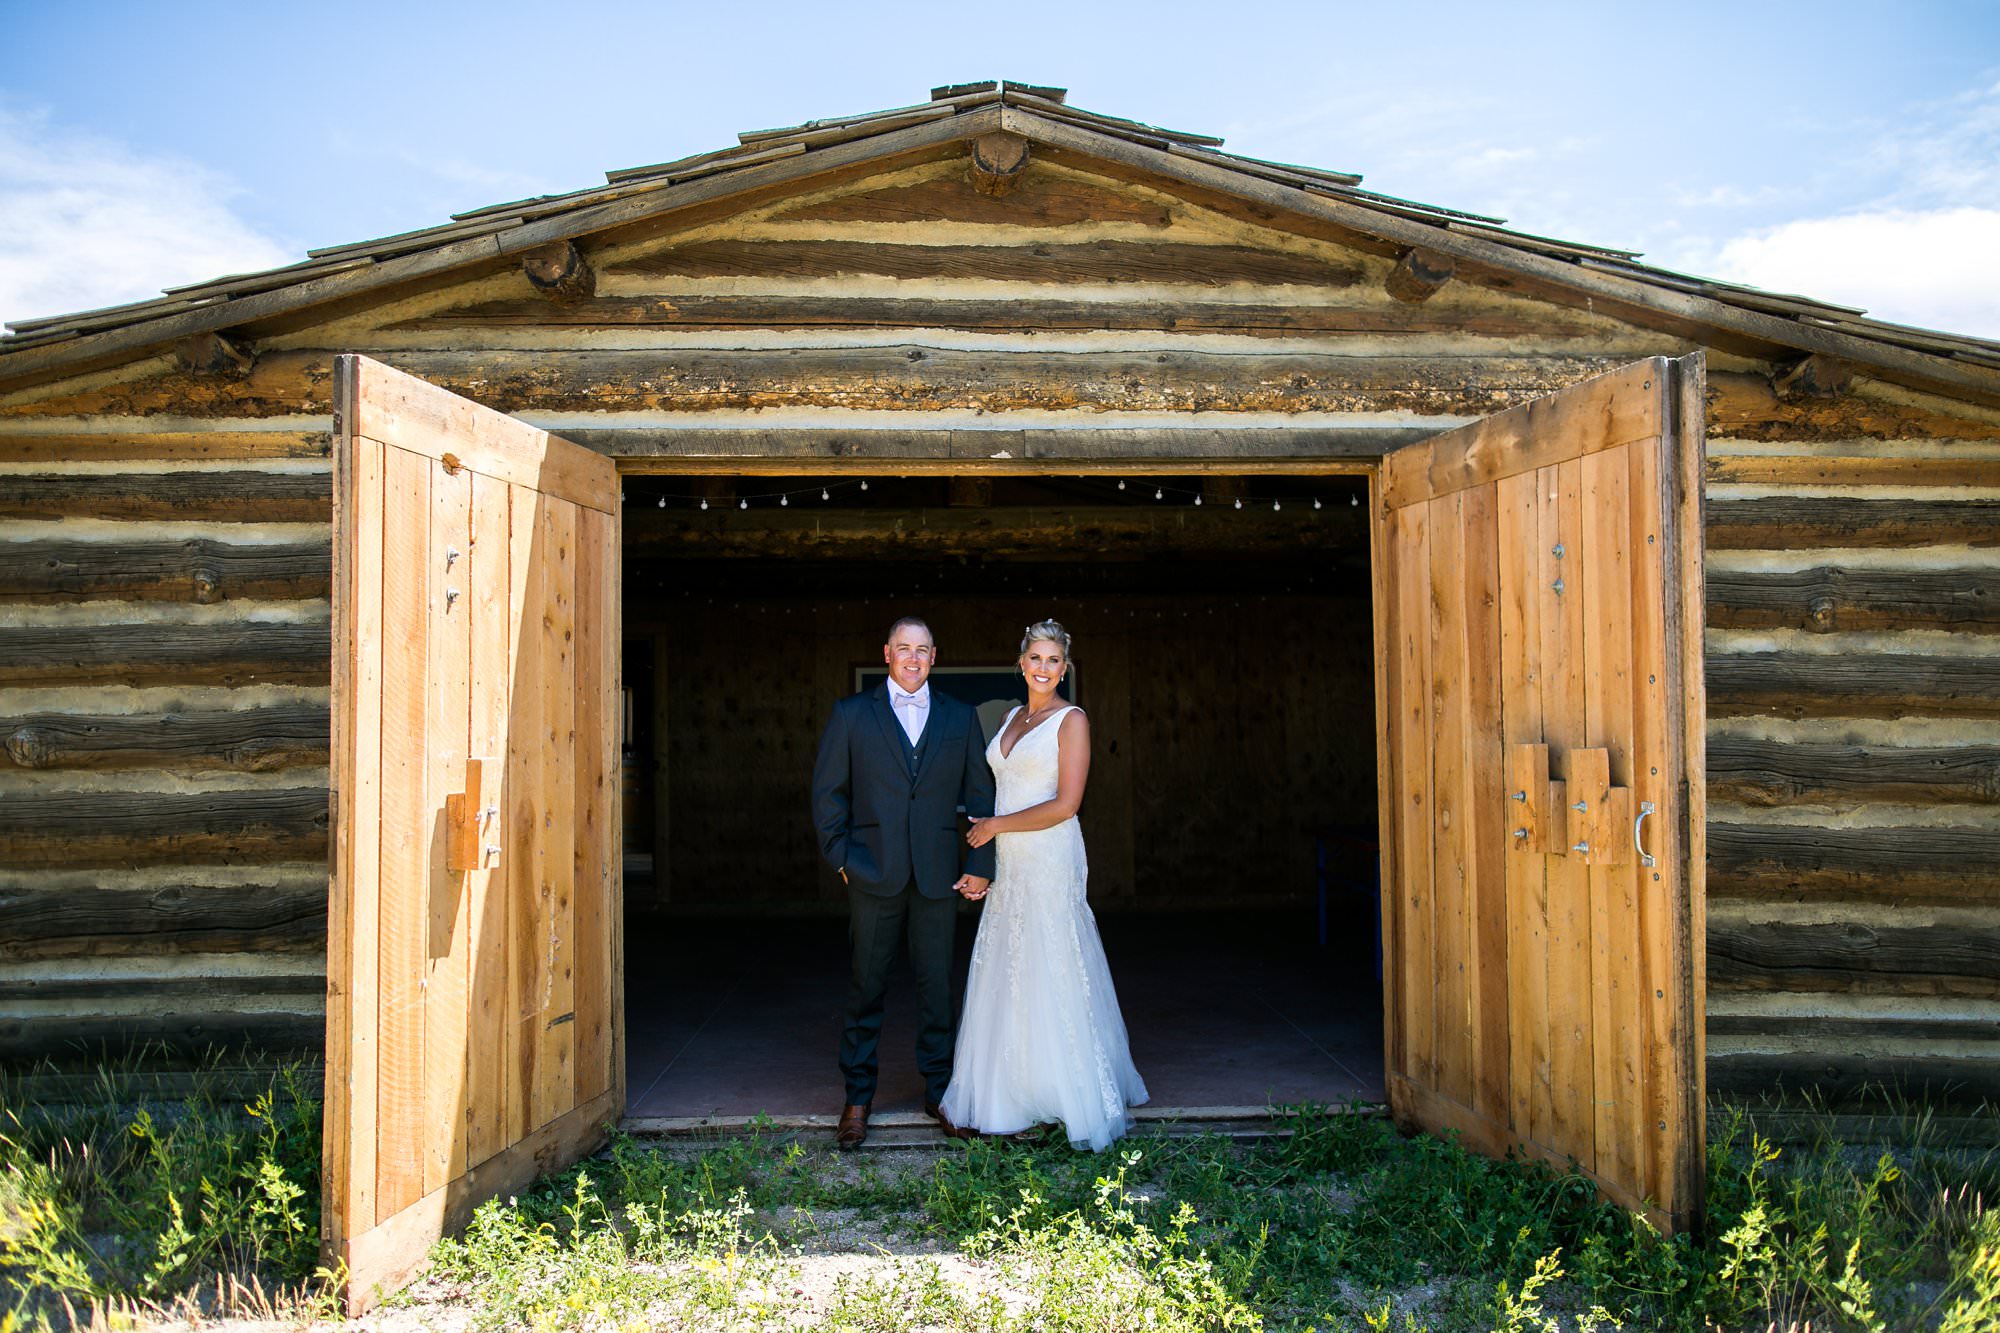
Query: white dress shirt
[912,710]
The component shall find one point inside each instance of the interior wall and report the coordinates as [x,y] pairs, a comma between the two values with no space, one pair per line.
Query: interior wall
[1228,730]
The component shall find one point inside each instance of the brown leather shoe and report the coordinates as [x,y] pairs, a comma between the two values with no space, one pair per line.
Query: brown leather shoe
[852,1131]
[951,1131]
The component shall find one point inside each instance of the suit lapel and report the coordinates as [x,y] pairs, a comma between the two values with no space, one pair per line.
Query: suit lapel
[932,737]
[892,730]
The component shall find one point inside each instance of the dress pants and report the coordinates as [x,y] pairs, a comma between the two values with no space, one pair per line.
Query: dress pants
[876,924]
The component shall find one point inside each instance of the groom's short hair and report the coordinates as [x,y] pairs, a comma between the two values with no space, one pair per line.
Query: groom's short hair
[917,622]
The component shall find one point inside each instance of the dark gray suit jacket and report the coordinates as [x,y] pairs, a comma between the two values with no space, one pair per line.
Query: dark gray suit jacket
[886,812]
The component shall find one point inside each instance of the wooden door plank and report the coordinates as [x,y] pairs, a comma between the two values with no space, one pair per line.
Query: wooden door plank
[354,900]
[1412,738]
[447,917]
[1656,984]
[399,1166]
[1451,726]
[1388,711]
[1603,413]
[1560,586]
[487,590]
[1521,668]
[420,417]
[525,847]
[1686,807]
[555,1067]
[1608,698]
[597,779]
[1485,840]
[611,647]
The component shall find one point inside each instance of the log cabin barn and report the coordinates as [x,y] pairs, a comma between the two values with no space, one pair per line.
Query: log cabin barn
[415,656]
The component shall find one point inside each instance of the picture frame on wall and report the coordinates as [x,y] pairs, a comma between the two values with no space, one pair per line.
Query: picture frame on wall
[991,689]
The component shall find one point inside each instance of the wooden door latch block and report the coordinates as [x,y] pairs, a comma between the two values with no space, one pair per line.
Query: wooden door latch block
[1582,815]
[471,829]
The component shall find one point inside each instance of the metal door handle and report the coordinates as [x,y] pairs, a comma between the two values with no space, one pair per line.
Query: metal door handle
[1645,857]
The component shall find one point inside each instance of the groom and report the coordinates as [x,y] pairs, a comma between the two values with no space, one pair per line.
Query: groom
[894,766]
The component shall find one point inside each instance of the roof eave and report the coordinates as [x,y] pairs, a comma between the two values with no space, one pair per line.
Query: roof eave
[40,362]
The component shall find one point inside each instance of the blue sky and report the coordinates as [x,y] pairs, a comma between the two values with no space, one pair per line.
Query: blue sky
[1849,151]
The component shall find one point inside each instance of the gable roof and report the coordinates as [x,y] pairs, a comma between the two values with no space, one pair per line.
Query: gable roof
[37,348]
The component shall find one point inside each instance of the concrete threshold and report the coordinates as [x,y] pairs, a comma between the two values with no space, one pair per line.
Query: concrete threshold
[912,1129]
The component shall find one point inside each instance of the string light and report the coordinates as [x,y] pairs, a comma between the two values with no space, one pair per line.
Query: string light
[663,502]
[1121,483]
[1316,503]
[824,494]
[864,483]
[1197,499]
[704,504]
[744,503]
[1159,495]
[1274,506]
[784,499]
[1239,502]
[1353,500]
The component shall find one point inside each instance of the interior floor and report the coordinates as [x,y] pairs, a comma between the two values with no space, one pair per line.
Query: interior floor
[736,1017]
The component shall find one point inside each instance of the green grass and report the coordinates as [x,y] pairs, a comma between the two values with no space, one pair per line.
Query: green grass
[1346,1223]
[110,1201]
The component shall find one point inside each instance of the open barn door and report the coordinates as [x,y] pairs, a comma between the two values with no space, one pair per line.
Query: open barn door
[474,1030]
[1539,616]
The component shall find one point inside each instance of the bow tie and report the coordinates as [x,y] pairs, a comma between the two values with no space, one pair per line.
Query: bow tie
[909,700]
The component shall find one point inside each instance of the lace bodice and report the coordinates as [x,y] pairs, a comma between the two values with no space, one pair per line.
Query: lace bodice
[1027,775]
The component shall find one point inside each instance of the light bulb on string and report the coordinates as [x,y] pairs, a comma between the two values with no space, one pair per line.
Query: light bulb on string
[1159,495]
[1353,500]
[1239,503]
[1197,499]
[864,483]
[744,503]
[1275,506]
[1316,503]
[1121,483]
[704,504]
[825,494]
[663,502]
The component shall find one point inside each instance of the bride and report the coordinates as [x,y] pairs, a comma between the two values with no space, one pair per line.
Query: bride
[1041,1039]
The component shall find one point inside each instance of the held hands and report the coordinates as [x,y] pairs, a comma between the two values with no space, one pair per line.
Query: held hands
[971,887]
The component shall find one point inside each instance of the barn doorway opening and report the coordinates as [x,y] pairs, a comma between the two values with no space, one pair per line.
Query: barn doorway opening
[1224,652]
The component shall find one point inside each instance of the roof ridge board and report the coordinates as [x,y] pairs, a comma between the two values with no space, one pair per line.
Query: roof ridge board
[1413,208]
[1553,244]
[1042,106]
[1270,171]
[41,323]
[303,268]
[1910,335]
[112,316]
[1318,175]
[736,155]
[950,105]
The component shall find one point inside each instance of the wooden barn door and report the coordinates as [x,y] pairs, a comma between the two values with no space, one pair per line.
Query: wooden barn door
[474,1030]
[1539,616]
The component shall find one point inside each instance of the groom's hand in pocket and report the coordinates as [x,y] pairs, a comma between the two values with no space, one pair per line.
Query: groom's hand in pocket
[971,887]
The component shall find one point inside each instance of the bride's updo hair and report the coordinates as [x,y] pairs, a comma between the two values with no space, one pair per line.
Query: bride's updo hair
[1051,630]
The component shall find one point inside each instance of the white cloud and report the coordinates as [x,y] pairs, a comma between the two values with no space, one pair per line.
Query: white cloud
[1935,268]
[87,222]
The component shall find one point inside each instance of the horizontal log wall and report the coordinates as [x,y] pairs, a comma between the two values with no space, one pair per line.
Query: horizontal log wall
[1854,766]
[163,628]
[163,742]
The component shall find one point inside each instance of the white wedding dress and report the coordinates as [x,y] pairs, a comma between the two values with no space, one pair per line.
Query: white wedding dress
[1041,1038]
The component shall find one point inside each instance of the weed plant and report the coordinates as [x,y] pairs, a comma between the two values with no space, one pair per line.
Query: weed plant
[108,1200]
[1344,1223]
